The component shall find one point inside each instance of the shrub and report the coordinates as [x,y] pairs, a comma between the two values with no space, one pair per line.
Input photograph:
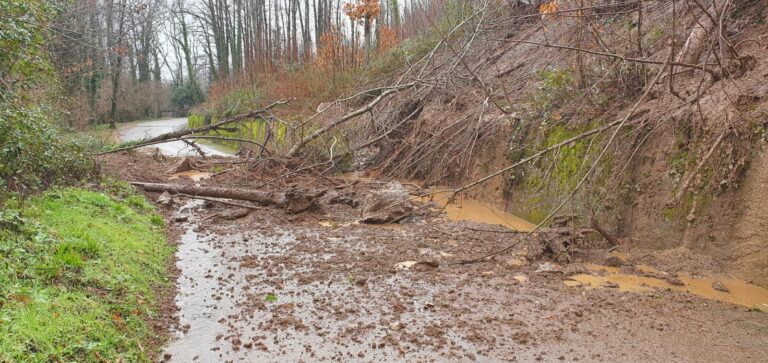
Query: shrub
[187,95]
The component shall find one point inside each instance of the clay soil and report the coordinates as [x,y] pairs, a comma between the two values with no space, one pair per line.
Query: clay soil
[319,286]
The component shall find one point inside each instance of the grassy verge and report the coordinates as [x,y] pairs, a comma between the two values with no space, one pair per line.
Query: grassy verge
[78,272]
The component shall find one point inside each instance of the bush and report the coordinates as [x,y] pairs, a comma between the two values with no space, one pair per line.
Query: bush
[33,154]
[187,95]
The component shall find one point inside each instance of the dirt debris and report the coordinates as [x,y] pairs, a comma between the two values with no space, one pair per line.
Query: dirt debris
[318,286]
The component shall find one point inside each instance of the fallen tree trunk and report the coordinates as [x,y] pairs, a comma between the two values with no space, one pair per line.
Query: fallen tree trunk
[185,139]
[293,200]
[245,116]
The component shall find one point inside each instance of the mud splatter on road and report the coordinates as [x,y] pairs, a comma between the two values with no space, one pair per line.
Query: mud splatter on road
[319,286]
[279,287]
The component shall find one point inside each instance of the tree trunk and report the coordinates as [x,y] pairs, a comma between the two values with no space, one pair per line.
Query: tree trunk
[293,200]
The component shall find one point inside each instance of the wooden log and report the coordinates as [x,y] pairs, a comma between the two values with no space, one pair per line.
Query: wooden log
[293,199]
[180,133]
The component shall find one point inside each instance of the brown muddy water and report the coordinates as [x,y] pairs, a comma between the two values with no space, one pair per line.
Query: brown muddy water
[194,175]
[461,208]
[738,291]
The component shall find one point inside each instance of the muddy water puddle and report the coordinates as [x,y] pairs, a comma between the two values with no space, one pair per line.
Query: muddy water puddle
[462,208]
[194,175]
[458,207]
[738,292]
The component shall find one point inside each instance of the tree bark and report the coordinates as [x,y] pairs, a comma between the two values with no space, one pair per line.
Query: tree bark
[293,200]
[180,133]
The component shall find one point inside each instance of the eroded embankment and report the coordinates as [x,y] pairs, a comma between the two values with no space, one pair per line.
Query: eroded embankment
[684,172]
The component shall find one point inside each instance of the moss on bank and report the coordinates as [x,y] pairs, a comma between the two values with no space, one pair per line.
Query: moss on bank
[78,273]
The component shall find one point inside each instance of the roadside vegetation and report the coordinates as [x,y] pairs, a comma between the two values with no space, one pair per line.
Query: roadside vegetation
[78,273]
[79,268]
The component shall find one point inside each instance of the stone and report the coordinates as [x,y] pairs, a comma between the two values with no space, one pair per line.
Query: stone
[389,204]
[719,286]
[165,199]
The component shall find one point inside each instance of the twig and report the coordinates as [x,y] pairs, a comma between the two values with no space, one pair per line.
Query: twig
[194,146]
[623,58]
[295,149]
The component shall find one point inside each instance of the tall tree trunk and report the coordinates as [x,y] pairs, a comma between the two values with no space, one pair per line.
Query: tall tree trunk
[117,50]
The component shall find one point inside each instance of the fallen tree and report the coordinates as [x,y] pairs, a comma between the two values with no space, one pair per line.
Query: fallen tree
[218,125]
[294,200]
[186,139]
[188,135]
[295,149]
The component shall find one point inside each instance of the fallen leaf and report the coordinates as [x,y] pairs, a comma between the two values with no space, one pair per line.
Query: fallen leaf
[549,10]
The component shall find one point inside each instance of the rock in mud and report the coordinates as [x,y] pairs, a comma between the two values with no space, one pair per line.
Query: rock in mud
[719,286]
[182,166]
[548,267]
[614,261]
[396,325]
[165,199]
[345,199]
[405,265]
[297,201]
[389,204]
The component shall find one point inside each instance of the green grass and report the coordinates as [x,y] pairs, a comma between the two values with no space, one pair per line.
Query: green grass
[77,272]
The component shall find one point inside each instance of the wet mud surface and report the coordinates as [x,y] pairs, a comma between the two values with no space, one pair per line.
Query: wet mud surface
[320,287]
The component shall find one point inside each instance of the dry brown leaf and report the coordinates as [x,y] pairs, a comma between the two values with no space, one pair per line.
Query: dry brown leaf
[549,10]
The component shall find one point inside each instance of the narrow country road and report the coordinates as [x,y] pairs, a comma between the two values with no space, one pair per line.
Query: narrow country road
[134,131]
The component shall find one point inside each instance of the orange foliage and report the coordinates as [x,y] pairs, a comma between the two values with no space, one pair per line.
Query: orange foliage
[306,85]
[387,38]
[549,10]
[330,50]
[362,9]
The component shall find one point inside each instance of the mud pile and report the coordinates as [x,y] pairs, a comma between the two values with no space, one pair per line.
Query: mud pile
[320,285]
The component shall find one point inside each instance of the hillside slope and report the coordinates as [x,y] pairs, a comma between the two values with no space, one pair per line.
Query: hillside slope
[685,171]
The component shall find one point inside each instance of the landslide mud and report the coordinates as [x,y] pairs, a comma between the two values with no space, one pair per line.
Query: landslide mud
[319,287]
